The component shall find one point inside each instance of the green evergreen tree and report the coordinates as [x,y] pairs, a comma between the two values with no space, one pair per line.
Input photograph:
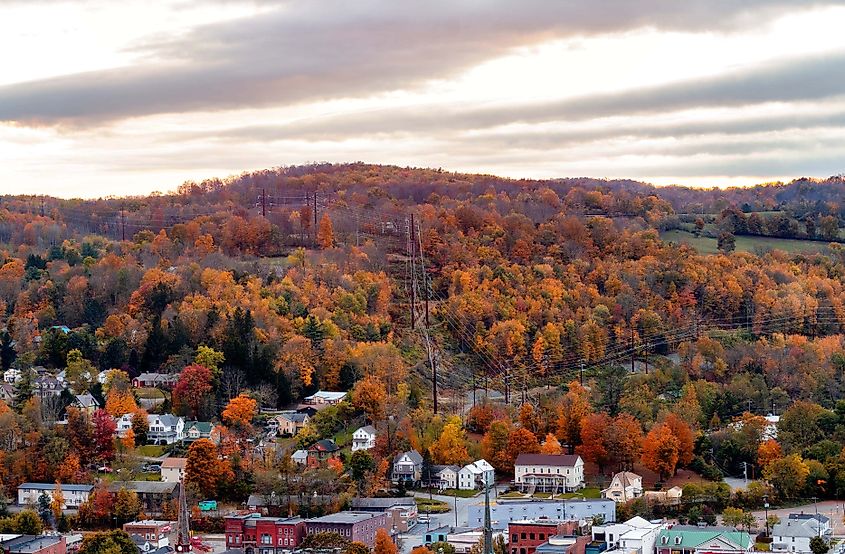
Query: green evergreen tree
[24,389]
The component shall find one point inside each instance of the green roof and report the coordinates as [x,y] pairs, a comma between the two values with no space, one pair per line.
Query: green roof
[692,537]
[202,426]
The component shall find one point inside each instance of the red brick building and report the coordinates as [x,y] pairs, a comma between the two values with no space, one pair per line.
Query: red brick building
[34,544]
[527,535]
[264,535]
[353,526]
[321,451]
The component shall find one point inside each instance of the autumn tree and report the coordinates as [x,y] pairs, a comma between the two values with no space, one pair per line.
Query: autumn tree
[370,396]
[594,439]
[211,359]
[192,389]
[494,445]
[686,441]
[80,373]
[240,411]
[57,503]
[787,475]
[127,506]
[325,233]
[119,402]
[384,544]
[574,406]
[205,469]
[521,441]
[660,450]
[550,445]
[767,452]
[450,447]
[104,431]
[116,541]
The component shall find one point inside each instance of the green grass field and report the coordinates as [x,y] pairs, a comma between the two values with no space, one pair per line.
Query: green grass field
[424,505]
[151,450]
[707,245]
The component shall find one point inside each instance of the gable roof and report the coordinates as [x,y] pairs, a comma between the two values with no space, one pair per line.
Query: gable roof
[324,445]
[52,486]
[294,417]
[201,426]
[555,460]
[87,401]
[414,456]
[692,537]
[369,429]
[174,463]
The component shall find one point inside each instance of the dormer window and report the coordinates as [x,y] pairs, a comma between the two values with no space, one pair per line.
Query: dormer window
[664,540]
[678,540]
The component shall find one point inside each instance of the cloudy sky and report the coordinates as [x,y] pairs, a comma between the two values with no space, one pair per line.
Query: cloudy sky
[108,98]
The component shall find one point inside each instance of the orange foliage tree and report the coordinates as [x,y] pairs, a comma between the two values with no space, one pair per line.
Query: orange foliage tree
[660,450]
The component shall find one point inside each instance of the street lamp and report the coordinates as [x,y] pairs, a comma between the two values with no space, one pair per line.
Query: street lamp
[766,507]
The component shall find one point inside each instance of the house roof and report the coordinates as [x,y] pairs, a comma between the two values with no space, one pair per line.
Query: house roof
[324,445]
[301,453]
[692,537]
[201,426]
[415,457]
[383,503]
[344,517]
[294,417]
[562,460]
[327,395]
[801,525]
[144,487]
[369,429]
[167,420]
[51,486]
[29,543]
[437,470]
[87,401]
[175,463]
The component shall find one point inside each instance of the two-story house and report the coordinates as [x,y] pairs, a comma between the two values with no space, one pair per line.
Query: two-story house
[86,403]
[407,468]
[623,487]
[476,475]
[549,472]
[793,533]
[289,424]
[364,438]
[74,495]
[689,539]
[321,451]
[155,380]
[196,430]
[165,429]
[173,469]
[47,386]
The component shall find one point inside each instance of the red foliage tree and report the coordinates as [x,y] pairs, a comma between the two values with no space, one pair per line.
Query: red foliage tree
[191,389]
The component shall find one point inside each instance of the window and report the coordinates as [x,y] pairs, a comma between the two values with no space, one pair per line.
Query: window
[514,538]
[523,536]
[542,536]
[531,536]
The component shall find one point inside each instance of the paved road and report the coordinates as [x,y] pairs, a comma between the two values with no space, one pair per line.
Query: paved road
[416,535]
[834,509]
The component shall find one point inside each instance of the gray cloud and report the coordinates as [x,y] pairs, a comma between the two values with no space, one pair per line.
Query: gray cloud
[306,51]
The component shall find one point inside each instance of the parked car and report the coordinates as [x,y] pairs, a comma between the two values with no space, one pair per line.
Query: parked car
[152,468]
[104,469]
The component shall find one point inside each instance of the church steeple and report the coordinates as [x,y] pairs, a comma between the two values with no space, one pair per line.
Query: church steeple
[183,531]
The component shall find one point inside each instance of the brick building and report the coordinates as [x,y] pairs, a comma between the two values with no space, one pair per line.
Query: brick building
[264,535]
[354,526]
[527,535]
[157,533]
[33,544]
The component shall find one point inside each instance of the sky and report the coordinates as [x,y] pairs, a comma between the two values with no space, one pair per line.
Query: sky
[103,98]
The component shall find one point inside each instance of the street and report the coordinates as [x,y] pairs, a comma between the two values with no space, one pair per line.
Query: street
[834,509]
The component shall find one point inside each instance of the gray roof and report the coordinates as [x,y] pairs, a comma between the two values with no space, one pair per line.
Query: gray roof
[415,457]
[261,500]
[87,401]
[822,518]
[383,503]
[800,525]
[344,517]
[144,487]
[562,460]
[29,543]
[51,486]
[295,417]
[368,429]
[169,420]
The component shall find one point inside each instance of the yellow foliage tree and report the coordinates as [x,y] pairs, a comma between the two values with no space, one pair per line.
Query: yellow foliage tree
[450,447]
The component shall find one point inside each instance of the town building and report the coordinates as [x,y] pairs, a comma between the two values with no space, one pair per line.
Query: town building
[321,451]
[155,380]
[264,535]
[364,438]
[47,386]
[475,475]
[74,495]
[793,533]
[12,375]
[669,497]
[153,495]
[289,424]
[196,430]
[33,544]
[637,535]
[354,526]
[7,392]
[549,472]
[689,539]
[526,535]
[165,429]
[401,512]
[173,469]
[503,511]
[325,398]
[86,403]
[444,477]
[300,457]
[623,487]
[407,468]
[153,532]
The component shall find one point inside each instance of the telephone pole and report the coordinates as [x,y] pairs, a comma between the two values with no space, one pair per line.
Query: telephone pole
[123,223]
[633,350]
[488,526]
[315,217]
[413,250]
[263,203]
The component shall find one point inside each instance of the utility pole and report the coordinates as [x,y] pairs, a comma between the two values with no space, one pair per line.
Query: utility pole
[488,526]
[123,223]
[413,250]
[424,274]
[263,203]
[434,380]
[582,373]
[507,385]
[473,389]
[647,346]
[42,206]
[315,217]
[633,351]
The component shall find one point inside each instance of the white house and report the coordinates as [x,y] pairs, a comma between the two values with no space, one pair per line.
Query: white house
[623,487]
[793,534]
[475,475]
[364,438]
[635,535]
[12,375]
[549,472]
[74,495]
[300,457]
[173,469]
[446,477]
[325,397]
[124,423]
[165,429]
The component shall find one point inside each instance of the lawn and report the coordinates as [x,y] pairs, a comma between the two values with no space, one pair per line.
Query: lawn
[151,451]
[744,243]
[587,492]
[150,393]
[424,505]
[460,493]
